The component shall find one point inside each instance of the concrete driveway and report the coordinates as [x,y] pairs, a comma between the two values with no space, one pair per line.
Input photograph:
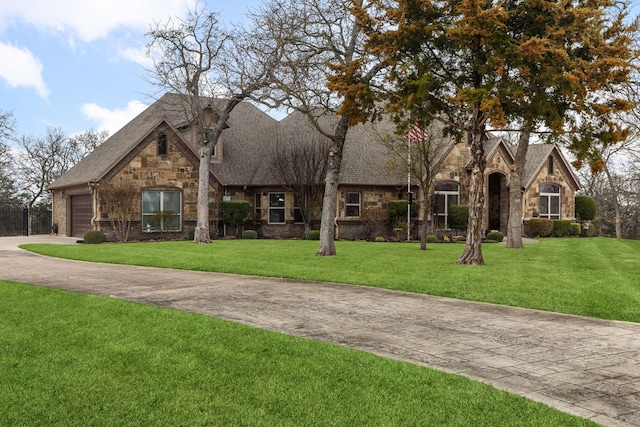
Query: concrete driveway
[583,366]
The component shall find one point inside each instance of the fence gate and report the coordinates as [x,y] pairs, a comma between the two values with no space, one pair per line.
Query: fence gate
[17,221]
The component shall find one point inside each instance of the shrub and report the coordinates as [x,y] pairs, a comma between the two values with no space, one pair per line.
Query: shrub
[192,234]
[94,237]
[397,210]
[380,239]
[459,217]
[495,235]
[561,228]
[585,208]
[249,234]
[234,212]
[313,235]
[432,238]
[576,229]
[539,227]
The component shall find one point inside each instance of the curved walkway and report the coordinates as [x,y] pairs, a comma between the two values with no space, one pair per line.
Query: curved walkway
[583,366]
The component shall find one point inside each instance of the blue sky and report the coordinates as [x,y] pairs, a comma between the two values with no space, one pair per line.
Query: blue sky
[78,64]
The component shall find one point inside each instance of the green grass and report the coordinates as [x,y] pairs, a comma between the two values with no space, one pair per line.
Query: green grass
[595,277]
[69,359]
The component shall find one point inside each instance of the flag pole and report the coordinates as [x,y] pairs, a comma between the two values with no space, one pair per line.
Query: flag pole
[409,189]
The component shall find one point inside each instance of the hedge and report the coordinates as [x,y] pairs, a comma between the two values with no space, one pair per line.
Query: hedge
[540,227]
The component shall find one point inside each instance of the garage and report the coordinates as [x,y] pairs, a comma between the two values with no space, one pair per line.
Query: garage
[81,214]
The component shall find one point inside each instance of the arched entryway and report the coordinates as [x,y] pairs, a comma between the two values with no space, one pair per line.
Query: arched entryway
[497,202]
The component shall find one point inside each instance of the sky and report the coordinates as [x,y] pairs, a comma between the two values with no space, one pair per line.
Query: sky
[80,64]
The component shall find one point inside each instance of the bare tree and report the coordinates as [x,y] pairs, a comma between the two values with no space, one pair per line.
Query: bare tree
[42,160]
[8,190]
[87,141]
[118,205]
[421,152]
[325,73]
[301,164]
[199,59]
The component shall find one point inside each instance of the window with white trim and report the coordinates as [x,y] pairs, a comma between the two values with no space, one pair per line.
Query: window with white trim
[445,195]
[161,210]
[276,208]
[352,205]
[550,201]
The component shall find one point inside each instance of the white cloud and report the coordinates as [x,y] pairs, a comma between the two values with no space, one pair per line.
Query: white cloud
[88,20]
[20,68]
[137,55]
[112,120]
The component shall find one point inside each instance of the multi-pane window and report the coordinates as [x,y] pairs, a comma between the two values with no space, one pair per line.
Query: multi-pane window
[276,208]
[446,194]
[161,210]
[352,204]
[550,201]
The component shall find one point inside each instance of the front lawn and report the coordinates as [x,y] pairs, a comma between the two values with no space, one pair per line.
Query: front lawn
[596,277]
[71,359]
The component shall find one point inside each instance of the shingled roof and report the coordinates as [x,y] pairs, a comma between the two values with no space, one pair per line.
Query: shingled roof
[247,147]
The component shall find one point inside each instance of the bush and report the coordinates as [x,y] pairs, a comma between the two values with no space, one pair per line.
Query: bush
[249,234]
[397,210]
[495,235]
[539,227]
[459,217]
[585,208]
[94,237]
[576,229]
[192,234]
[234,212]
[380,239]
[561,228]
[313,235]
[432,238]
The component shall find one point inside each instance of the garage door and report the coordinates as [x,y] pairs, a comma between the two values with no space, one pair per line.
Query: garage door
[81,214]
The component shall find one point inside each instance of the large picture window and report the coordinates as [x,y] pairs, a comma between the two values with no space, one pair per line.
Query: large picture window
[550,201]
[276,208]
[446,194]
[352,205]
[161,210]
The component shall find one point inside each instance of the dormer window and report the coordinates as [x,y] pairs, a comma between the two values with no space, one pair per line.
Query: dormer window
[162,144]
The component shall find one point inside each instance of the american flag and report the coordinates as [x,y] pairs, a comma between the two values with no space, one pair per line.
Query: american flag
[416,134]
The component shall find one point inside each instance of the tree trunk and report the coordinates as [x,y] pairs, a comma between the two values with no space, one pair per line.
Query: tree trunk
[424,209]
[202,232]
[329,204]
[616,203]
[472,253]
[516,192]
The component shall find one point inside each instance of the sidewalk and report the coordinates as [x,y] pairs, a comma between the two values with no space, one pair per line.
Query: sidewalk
[587,367]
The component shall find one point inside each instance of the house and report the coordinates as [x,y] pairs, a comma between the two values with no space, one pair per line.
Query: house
[155,157]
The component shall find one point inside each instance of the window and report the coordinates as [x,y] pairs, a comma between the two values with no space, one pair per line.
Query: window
[257,206]
[161,210]
[352,204]
[550,165]
[550,201]
[276,208]
[446,194]
[162,144]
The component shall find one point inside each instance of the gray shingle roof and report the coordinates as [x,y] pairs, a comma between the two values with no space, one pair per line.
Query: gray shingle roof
[247,147]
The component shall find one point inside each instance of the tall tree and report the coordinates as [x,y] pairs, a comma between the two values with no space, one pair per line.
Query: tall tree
[444,67]
[43,159]
[301,164]
[214,69]
[8,189]
[562,61]
[327,74]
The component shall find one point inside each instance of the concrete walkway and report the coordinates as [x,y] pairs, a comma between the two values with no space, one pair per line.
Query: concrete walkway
[583,366]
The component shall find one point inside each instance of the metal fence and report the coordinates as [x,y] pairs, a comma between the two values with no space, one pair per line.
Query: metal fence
[17,221]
